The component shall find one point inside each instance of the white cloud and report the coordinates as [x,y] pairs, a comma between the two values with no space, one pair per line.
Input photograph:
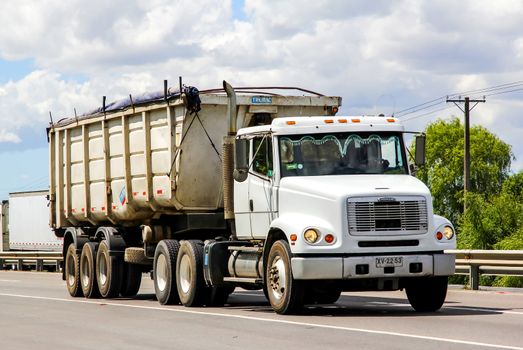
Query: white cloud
[6,136]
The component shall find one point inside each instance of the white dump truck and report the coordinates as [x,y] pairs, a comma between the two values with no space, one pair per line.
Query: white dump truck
[244,187]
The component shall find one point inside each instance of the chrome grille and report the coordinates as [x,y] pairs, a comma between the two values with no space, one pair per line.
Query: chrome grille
[387,215]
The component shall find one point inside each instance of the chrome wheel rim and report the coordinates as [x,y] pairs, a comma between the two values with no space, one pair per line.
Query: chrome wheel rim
[277,278]
[161,272]
[185,273]
[85,272]
[70,269]
[103,269]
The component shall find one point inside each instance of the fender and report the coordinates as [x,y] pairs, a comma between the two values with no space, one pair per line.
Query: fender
[294,223]
[112,236]
[76,236]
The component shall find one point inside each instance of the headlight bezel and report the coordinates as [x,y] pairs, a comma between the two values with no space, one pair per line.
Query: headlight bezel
[311,236]
[448,232]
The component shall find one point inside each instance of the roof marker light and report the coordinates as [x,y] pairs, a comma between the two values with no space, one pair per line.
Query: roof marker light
[291,122]
[329,121]
[342,120]
[355,120]
[391,120]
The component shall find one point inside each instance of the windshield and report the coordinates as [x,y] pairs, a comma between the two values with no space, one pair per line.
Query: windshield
[342,153]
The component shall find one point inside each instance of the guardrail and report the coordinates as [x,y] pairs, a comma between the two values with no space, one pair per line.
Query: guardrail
[26,258]
[475,263]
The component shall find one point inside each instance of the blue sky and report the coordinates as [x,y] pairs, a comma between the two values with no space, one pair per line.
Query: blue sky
[15,70]
[378,56]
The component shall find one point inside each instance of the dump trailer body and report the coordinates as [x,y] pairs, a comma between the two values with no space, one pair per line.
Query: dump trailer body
[158,158]
[28,224]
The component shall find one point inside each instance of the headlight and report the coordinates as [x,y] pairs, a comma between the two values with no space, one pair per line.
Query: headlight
[448,232]
[311,236]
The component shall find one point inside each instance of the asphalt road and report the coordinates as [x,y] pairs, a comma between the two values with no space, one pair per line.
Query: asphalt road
[36,312]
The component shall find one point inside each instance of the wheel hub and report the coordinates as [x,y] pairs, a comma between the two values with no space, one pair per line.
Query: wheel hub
[161,272]
[85,273]
[185,273]
[277,278]
[70,270]
[103,270]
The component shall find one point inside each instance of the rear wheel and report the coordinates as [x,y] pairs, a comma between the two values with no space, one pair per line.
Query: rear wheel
[88,270]
[108,272]
[219,295]
[72,271]
[190,282]
[164,272]
[285,293]
[132,278]
[427,294]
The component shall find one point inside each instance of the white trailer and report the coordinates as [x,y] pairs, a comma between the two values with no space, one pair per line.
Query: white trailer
[4,224]
[28,222]
[299,202]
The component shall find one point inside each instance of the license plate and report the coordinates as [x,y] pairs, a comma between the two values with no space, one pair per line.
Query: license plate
[388,261]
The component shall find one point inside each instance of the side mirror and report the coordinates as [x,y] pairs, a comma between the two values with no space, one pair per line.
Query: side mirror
[419,157]
[241,160]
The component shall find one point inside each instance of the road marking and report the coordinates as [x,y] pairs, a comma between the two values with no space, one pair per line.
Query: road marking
[252,318]
[10,281]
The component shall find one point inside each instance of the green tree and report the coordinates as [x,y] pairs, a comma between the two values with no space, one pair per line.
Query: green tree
[443,171]
[495,223]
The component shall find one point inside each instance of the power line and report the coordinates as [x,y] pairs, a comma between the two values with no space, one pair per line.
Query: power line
[420,105]
[495,90]
[427,113]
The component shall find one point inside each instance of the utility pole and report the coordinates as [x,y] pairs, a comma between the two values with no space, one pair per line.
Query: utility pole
[466,164]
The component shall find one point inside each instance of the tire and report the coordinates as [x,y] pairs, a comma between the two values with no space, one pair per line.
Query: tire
[109,271]
[164,272]
[190,282]
[286,295]
[136,255]
[88,270]
[72,271]
[219,295]
[131,281]
[427,294]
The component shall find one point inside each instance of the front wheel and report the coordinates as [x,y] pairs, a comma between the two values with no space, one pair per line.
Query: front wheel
[285,293]
[427,294]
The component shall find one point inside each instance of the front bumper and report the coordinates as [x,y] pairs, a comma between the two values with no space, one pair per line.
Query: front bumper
[337,268]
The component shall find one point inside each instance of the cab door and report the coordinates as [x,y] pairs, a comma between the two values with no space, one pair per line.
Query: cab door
[262,193]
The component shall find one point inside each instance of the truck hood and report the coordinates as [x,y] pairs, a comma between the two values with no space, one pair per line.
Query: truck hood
[343,186]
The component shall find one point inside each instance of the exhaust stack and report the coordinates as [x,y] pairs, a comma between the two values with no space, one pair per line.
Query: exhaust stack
[228,154]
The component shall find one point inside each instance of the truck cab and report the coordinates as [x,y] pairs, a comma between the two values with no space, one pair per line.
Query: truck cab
[338,194]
